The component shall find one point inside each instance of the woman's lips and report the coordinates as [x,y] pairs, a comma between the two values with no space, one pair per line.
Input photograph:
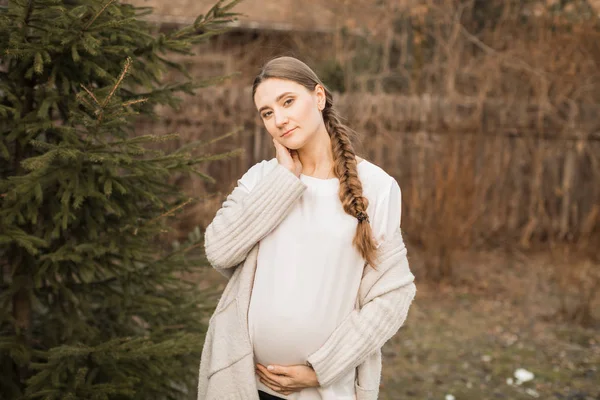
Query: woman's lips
[288,132]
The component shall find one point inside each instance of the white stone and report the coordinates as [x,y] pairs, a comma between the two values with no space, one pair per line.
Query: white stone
[523,375]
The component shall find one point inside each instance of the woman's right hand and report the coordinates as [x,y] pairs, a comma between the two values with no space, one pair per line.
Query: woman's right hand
[288,158]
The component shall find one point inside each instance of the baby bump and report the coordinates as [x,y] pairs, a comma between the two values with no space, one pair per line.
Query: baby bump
[286,339]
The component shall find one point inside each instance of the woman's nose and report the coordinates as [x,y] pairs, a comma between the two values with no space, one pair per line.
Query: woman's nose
[280,119]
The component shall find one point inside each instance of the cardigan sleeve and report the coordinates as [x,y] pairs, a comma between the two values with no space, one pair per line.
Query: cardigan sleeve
[364,331]
[386,304]
[252,210]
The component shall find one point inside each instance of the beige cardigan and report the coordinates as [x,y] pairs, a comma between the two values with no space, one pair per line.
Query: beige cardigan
[231,244]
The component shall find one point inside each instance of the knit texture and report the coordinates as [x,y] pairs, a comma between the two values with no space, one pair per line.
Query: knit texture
[244,219]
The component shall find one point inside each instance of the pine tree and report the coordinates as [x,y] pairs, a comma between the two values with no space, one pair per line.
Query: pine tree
[92,305]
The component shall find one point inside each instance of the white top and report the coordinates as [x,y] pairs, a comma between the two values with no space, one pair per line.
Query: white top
[308,271]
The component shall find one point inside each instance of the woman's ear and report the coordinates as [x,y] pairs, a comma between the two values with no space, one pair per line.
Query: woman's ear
[321,96]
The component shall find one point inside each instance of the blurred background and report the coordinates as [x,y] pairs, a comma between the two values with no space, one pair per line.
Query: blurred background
[486,113]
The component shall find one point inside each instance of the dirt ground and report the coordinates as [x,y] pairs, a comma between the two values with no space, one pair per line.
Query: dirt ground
[466,346]
[464,339]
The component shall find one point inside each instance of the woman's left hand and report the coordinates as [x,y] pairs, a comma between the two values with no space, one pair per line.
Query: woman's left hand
[287,379]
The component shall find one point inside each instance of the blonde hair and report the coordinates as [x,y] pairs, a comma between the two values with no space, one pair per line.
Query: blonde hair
[344,156]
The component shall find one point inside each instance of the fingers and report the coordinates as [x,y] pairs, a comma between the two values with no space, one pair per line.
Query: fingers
[279,146]
[276,388]
[280,150]
[285,158]
[269,379]
[277,382]
[275,369]
[271,386]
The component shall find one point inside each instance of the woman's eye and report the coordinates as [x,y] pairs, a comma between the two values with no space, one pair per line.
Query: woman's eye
[265,115]
[288,101]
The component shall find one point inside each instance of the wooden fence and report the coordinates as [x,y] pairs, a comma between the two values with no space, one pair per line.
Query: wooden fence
[469,170]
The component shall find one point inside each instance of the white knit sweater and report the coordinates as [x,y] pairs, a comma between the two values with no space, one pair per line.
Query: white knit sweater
[231,243]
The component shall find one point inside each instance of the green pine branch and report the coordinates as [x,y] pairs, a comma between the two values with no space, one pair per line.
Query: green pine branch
[93,303]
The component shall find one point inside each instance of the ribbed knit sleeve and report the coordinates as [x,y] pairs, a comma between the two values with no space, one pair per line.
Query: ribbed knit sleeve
[247,216]
[361,333]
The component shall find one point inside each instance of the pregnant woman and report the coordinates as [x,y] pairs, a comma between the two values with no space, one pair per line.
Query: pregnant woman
[310,242]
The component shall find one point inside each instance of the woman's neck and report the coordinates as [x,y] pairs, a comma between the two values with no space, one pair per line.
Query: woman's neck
[316,156]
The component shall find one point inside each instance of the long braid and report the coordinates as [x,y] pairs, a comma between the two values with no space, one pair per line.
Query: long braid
[351,191]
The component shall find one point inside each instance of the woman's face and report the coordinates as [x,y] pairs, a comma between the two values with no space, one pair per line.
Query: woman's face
[290,112]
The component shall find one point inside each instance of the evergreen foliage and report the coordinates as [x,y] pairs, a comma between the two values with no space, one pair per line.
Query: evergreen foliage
[92,305]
